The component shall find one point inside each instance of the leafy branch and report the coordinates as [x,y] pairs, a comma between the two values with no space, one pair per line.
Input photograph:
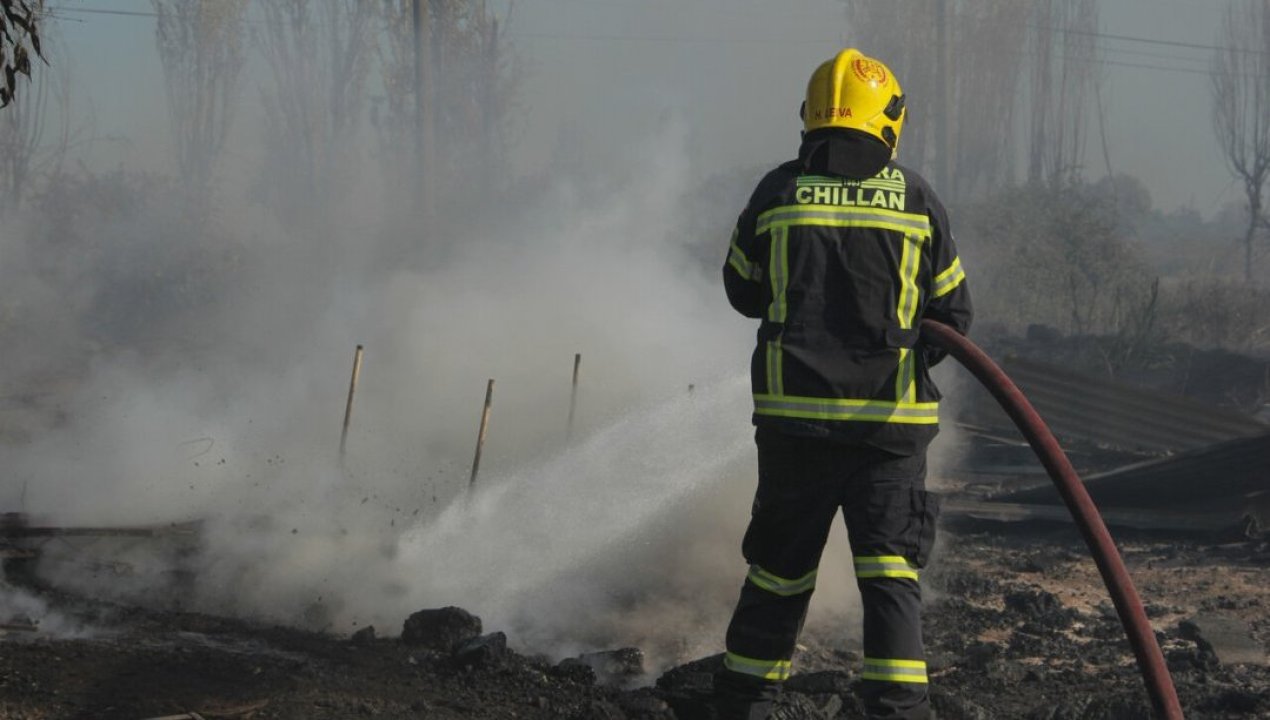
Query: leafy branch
[18,29]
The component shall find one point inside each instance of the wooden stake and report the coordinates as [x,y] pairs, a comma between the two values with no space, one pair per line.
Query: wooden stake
[143,531]
[480,438]
[352,390]
[20,626]
[573,395]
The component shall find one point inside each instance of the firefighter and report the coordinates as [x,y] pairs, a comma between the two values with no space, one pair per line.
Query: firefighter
[840,254]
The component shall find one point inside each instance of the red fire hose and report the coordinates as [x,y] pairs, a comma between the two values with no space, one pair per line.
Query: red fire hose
[1110,565]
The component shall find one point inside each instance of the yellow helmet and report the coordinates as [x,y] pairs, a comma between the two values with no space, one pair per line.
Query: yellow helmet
[855,92]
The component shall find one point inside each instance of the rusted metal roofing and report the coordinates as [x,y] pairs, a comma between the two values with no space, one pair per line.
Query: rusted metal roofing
[1208,521]
[1112,414]
[1233,472]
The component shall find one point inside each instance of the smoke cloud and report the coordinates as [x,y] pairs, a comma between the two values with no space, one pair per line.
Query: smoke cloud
[235,423]
[160,368]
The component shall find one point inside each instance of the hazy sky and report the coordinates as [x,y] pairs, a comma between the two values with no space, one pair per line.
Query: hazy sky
[601,73]
[737,69]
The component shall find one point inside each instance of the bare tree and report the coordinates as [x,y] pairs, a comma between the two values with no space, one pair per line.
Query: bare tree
[465,71]
[200,43]
[34,137]
[904,36]
[1241,107]
[398,116]
[19,39]
[1034,62]
[973,137]
[317,52]
[470,82]
[1078,270]
[987,38]
[1063,76]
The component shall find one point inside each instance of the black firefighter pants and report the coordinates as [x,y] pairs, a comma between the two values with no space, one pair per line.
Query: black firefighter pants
[891,526]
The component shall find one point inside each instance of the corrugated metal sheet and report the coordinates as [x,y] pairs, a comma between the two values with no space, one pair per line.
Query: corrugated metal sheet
[1209,521]
[1082,407]
[1235,472]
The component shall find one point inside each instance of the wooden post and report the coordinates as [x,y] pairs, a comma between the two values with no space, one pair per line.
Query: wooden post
[352,390]
[573,395]
[480,438]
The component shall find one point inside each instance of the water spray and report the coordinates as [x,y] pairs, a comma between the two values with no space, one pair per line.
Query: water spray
[1110,565]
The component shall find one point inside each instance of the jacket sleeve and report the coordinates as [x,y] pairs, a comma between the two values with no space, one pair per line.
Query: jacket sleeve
[743,270]
[949,296]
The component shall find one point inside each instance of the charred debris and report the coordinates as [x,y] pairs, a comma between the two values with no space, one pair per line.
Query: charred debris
[1178,442]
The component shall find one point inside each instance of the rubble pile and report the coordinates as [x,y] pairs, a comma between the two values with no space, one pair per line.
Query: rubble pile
[1041,641]
[1018,626]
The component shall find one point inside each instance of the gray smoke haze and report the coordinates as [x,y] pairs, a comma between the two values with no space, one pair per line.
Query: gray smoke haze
[153,373]
[572,546]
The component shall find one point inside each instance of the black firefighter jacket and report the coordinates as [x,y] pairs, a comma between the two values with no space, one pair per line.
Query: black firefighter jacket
[841,271]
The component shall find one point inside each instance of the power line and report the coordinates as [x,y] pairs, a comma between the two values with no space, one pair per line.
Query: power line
[100,11]
[1150,41]
[732,9]
[827,42]
[836,43]
[964,18]
[1148,66]
[530,35]
[668,38]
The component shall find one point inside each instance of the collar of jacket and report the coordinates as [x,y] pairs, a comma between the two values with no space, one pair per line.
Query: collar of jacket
[845,153]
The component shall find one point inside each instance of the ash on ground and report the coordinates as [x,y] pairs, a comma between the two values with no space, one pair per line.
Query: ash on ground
[1018,626]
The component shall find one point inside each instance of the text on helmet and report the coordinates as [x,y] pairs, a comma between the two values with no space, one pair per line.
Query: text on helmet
[832,112]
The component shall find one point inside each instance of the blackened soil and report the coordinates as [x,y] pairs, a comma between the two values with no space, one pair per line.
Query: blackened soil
[1018,626]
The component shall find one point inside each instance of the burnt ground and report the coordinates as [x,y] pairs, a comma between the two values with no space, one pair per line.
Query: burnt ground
[1018,626]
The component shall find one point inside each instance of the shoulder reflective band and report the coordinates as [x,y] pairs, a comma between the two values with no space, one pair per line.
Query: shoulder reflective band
[949,279]
[903,671]
[886,411]
[884,566]
[778,585]
[830,216]
[741,263]
[767,669]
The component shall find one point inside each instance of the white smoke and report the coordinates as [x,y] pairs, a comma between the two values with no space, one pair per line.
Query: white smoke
[228,412]
[243,435]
